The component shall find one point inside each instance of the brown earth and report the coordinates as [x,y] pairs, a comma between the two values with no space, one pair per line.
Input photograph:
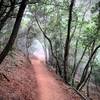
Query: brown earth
[31,82]
[50,87]
[22,84]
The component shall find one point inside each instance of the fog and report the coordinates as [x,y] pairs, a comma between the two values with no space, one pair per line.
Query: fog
[37,49]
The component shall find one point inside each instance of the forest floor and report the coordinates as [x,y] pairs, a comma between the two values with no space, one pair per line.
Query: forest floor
[22,84]
[31,82]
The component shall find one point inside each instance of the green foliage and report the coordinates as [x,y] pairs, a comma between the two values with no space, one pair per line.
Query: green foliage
[53,17]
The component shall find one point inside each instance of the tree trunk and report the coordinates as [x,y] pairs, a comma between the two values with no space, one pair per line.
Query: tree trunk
[86,68]
[75,60]
[77,65]
[84,74]
[14,31]
[51,47]
[66,54]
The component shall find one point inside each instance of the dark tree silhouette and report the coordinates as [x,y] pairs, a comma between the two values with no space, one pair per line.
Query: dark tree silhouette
[14,31]
[66,54]
[4,13]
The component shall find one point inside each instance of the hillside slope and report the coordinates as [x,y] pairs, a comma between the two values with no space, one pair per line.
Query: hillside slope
[34,81]
[22,82]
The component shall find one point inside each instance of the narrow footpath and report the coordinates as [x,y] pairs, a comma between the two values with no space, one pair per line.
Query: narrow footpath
[49,87]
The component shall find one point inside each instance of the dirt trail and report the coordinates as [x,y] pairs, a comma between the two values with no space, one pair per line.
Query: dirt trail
[48,86]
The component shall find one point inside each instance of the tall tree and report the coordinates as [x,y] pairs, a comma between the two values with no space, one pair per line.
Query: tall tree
[4,14]
[66,54]
[14,31]
[85,74]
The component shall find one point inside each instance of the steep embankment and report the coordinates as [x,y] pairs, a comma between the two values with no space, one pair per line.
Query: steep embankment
[22,84]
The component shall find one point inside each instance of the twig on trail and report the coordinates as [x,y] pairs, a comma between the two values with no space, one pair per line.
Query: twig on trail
[4,76]
[83,97]
[78,92]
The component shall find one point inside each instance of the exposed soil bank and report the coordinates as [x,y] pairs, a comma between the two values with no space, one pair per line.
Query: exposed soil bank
[22,84]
